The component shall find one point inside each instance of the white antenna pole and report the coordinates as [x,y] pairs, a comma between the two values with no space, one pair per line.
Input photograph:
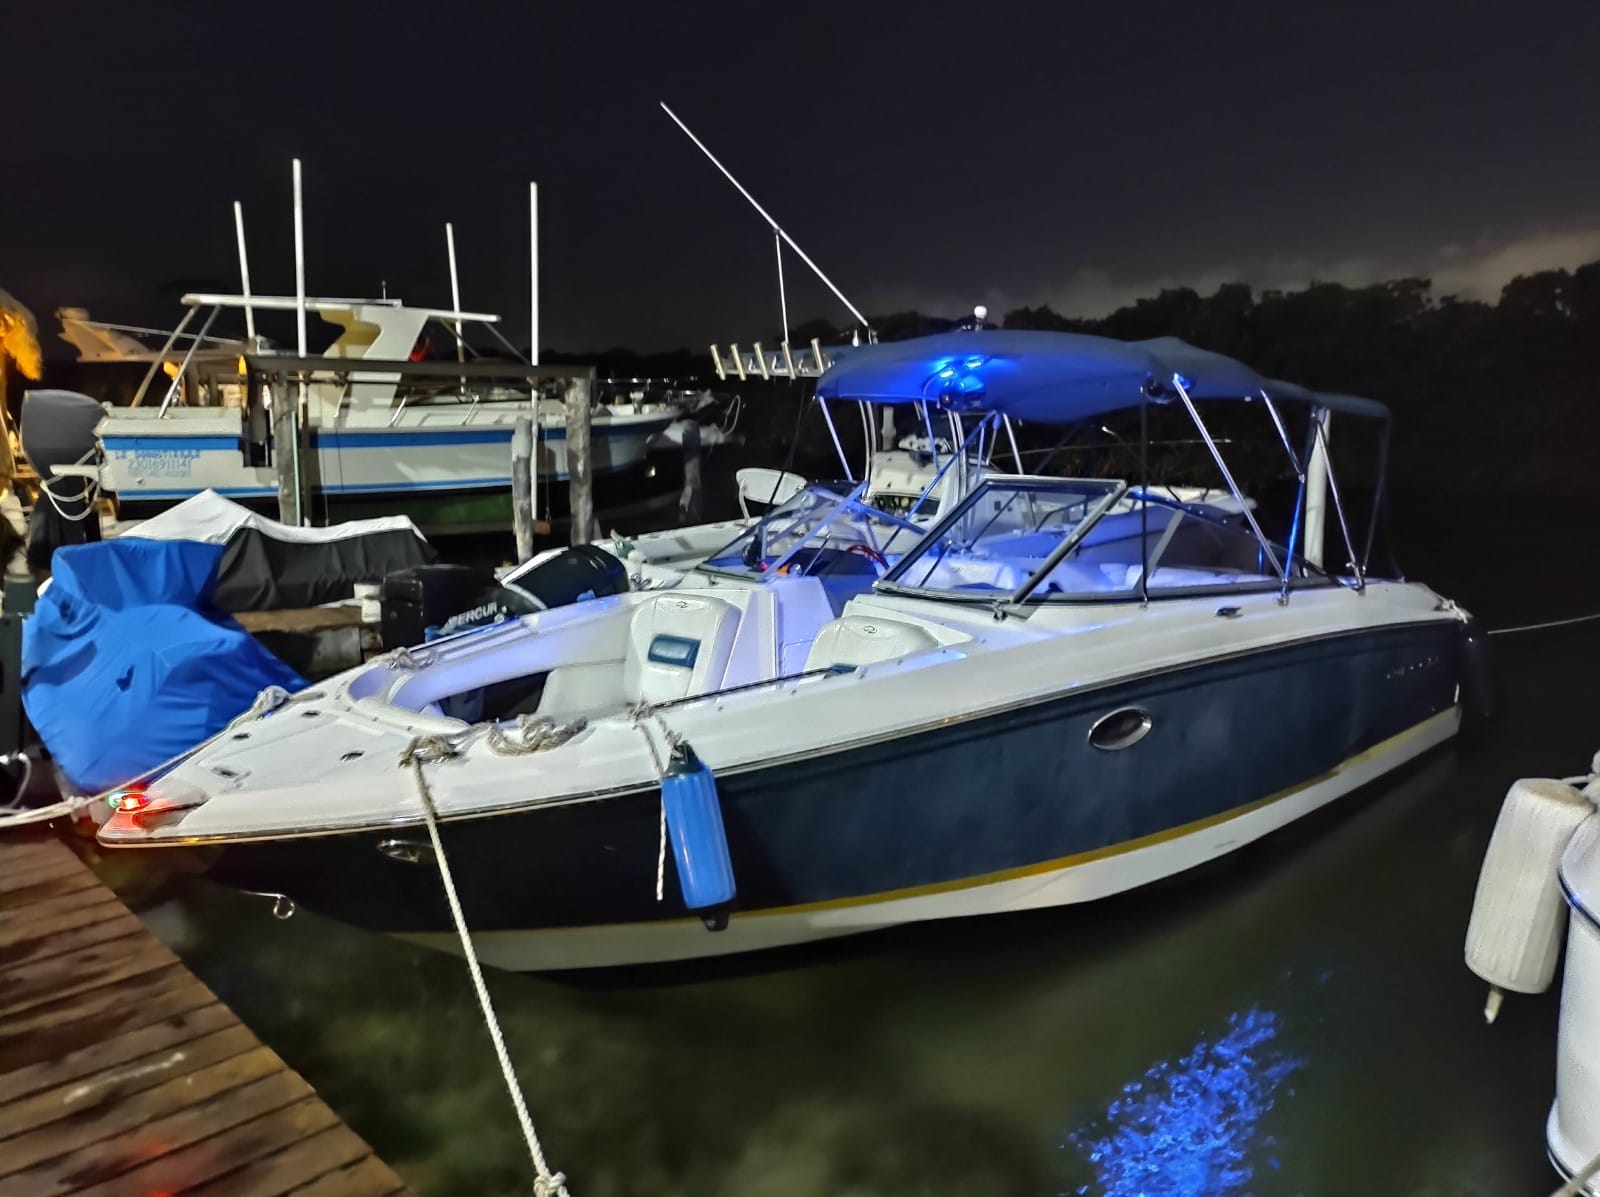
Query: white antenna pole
[455,287]
[783,298]
[533,274]
[299,264]
[244,274]
[300,329]
[776,228]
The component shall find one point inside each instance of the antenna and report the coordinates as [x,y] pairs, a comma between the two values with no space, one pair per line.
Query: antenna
[244,274]
[776,228]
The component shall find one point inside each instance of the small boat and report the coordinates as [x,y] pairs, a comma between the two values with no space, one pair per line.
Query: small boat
[845,719]
[435,448]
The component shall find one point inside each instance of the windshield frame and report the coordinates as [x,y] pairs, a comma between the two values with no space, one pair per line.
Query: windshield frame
[1024,597]
[785,518]
[1113,490]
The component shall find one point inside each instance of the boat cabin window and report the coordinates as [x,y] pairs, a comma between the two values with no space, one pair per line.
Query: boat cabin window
[1008,530]
[822,532]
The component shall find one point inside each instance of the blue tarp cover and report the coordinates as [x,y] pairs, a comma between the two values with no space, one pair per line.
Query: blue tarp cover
[126,663]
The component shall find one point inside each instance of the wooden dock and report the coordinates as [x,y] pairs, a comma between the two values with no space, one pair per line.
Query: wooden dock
[121,1075]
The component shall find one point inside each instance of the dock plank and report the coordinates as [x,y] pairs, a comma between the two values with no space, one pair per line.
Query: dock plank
[142,1045]
[47,982]
[99,1120]
[289,1170]
[113,1085]
[45,1043]
[17,889]
[120,1073]
[63,1174]
[364,1178]
[231,1154]
[120,925]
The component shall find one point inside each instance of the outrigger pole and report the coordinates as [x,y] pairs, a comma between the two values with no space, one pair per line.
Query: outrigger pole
[776,227]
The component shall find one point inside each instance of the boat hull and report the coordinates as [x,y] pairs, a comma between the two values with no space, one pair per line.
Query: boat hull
[461,474]
[1005,811]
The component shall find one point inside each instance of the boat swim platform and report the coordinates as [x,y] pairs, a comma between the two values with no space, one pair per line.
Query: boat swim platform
[121,1075]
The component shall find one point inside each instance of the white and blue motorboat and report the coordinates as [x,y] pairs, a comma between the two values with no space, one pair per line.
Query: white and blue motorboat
[441,453]
[844,720]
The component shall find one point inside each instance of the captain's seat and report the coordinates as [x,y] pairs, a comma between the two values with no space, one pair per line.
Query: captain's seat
[856,640]
[678,645]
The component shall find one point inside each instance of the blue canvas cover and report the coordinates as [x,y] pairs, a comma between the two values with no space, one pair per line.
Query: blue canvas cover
[1053,377]
[126,663]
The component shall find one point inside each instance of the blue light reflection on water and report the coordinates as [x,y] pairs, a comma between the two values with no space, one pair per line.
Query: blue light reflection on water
[1189,1127]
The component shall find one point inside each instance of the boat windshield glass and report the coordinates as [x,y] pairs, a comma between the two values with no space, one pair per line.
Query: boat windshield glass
[1009,530]
[823,531]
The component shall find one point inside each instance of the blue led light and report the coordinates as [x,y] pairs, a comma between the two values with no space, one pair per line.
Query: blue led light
[975,360]
[1189,1129]
[948,372]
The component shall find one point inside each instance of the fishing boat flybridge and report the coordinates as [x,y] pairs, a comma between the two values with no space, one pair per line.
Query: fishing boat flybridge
[399,434]
[1066,688]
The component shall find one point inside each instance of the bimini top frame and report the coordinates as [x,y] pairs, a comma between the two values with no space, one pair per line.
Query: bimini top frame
[1066,378]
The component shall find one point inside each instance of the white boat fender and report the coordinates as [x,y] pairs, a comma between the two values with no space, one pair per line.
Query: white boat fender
[1519,915]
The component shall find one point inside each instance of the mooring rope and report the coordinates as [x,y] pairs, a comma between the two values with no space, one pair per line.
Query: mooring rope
[640,713]
[1549,623]
[426,750]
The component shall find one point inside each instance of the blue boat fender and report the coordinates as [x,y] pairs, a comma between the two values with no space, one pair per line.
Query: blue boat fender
[699,840]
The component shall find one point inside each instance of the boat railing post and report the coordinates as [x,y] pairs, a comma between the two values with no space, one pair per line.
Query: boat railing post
[1300,494]
[1379,493]
[183,367]
[827,418]
[580,477]
[522,486]
[149,375]
[1227,474]
[1338,501]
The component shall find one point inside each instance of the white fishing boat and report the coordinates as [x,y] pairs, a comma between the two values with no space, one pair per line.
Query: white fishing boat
[1066,688]
[435,447]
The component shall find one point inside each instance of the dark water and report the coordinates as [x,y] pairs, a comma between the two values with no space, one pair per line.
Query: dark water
[1293,1020]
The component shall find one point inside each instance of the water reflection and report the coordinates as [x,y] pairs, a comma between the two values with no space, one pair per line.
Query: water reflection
[1191,1127]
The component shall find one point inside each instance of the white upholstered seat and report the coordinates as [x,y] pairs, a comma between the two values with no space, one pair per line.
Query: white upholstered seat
[678,645]
[862,640]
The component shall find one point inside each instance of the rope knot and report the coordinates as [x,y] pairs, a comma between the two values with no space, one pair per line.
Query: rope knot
[403,660]
[553,1185]
[425,750]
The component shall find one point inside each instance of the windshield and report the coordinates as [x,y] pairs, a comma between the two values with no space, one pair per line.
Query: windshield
[821,532]
[1001,534]
[1086,538]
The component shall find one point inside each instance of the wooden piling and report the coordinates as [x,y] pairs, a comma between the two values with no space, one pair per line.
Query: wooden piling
[287,457]
[522,486]
[580,461]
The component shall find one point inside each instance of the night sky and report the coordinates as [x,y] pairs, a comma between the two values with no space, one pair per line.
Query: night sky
[926,155]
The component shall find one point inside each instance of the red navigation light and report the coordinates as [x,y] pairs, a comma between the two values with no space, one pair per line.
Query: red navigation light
[129,800]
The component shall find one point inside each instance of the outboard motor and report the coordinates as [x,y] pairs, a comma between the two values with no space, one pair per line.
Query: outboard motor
[443,599]
[58,430]
[581,572]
